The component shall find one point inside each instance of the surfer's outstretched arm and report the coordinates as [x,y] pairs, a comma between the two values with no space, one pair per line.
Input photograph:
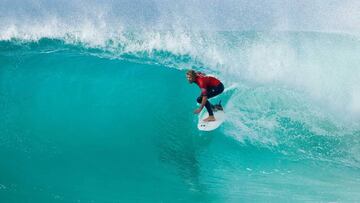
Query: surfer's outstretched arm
[202,104]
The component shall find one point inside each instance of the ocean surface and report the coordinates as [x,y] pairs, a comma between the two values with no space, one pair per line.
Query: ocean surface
[98,109]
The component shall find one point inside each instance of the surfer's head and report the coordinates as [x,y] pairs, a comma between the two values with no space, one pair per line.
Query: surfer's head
[191,76]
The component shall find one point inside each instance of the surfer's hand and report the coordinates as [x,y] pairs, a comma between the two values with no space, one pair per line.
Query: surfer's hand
[197,111]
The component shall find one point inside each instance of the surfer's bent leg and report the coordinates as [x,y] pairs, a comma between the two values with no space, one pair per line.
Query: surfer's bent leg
[207,105]
[214,91]
[211,92]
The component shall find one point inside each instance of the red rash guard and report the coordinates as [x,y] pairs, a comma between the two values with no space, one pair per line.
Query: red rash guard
[205,82]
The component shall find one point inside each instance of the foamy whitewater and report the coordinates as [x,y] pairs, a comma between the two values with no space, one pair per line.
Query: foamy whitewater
[95,106]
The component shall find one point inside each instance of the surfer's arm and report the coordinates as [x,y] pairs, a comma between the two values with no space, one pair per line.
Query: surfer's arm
[203,96]
[203,102]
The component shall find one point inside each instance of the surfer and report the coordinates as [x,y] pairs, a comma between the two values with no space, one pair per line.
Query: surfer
[210,87]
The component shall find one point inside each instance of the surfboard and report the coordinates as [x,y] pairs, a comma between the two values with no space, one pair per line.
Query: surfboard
[209,126]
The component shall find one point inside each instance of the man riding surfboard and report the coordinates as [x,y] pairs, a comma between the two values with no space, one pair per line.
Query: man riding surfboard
[210,87]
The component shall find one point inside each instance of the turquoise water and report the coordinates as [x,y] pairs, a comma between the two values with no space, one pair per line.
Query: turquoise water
[95,106]
[82,124]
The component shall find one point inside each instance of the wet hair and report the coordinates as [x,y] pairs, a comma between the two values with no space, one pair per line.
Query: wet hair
[192,73]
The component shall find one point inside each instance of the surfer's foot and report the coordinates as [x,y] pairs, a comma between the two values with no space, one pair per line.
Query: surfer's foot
[209,119]
[218,107]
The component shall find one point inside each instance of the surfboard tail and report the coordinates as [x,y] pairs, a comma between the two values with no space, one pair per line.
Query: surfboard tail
[217,106]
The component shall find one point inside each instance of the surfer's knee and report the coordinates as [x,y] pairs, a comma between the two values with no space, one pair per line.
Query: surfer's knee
[199,100]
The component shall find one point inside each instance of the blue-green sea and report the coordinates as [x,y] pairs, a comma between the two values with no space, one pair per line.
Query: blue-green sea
[91,111]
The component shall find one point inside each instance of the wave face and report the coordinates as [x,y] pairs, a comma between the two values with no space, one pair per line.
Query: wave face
[94,105]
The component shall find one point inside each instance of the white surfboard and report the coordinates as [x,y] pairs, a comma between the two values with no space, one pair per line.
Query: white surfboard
[209,126]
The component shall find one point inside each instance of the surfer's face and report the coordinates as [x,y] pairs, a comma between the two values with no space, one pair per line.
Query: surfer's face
[190,78]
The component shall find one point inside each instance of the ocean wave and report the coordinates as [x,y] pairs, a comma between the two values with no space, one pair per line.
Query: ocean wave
[295,91]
